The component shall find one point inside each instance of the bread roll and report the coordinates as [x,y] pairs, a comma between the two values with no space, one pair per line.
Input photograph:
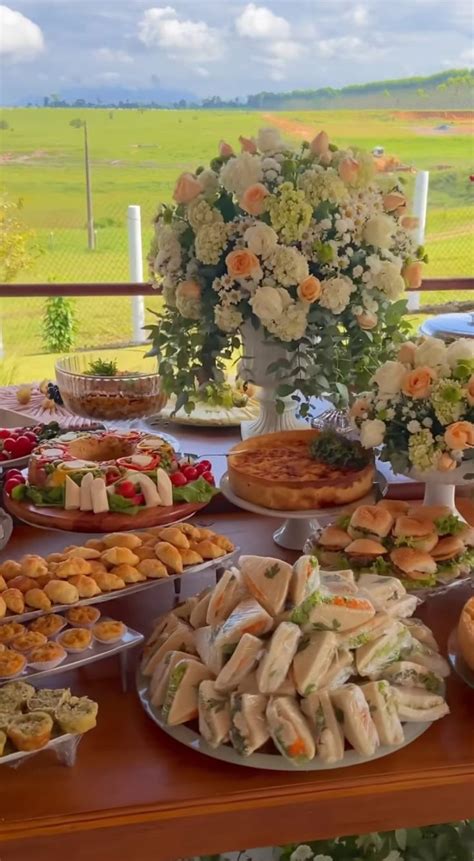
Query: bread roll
[14,600]
[153,569]
[169,555]
[83,553]
[61,592]
[3,607]
[10,569]
[71,567]
[33,566]
[86,586]
[108,582]
[174,536]
[37,599]
[122,539]
[22,583]
[128,574]
[119,556]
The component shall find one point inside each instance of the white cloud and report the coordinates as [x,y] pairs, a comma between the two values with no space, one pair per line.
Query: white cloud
[352,48]
[360,15]
[108,55]
[160,27]
[20,38]
[258,22]
[109,77]
[467,57]
[286,50]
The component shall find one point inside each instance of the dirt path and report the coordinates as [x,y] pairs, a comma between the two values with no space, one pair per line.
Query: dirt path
[290,126]
[465,230]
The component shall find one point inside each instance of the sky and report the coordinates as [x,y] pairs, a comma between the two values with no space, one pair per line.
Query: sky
[224,47]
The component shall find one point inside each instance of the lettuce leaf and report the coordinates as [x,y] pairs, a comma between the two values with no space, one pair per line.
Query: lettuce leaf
[46,497]
[196,491]
[121,505]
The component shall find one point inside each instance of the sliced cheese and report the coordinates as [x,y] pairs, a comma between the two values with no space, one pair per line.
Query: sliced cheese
[149,491]
[86,498]
[165,488]
[72,497]
[100,500]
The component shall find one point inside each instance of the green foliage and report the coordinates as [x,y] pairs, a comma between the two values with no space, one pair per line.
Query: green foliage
[339,451]
[59,324]
[103,368]
[17,249]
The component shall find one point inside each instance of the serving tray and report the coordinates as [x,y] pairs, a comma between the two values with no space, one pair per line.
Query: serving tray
[268,761]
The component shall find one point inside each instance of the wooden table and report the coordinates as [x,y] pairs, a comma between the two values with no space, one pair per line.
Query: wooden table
[135,793]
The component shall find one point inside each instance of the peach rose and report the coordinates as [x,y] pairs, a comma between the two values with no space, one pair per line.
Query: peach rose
[320,144]
[417,383]
[253,199]
[349,170]
[309,290]
[406,353]
[225,149]
[409,222]
[367,320]
[186,188]
[459,436]
[189,290]
[446,463]
[242,263]
[395,202]
[470,392]
[413,274]
[248,144]
[360,408]
[325,158]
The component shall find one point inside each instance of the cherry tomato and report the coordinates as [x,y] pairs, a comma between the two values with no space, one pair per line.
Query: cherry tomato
[9,444]
[31,436]
[19,447]
[204,466]
[190,473]
[138,499]
[12,473]
[126,489]
[5,433]
[13,482]
[111,476]
[178,479]
[208,476]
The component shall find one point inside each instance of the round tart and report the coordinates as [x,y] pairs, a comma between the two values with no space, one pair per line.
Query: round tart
[11,664]
[278,471]
[30,731]
[78,714]
[24,643]
[75,640]
[11,630]
[47,656]
[83,617]
[48,625]
[109,631]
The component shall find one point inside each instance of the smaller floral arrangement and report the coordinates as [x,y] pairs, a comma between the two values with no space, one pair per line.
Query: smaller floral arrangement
[420,410]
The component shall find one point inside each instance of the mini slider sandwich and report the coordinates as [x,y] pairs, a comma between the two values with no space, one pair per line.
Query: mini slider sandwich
[331,544]
[414,565]
[267,580]
[181,698]
[383,709]
[419,534]
[414,704]
[327,732]
[353,711]
[370,521]
[214,714]
[448,555]
[249,728]
[289,730]
[276,662]
[363,552]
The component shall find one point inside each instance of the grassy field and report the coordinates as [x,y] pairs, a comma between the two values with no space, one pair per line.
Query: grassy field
[136,156]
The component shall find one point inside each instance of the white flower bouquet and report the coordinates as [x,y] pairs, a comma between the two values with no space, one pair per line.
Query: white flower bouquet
[309,246]
[420,410]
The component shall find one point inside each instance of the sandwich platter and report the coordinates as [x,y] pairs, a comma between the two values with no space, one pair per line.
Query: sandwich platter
[267,761]
[298,526]
[281,666]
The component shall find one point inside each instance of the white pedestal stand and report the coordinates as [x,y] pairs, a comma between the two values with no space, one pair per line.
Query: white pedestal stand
[440,487]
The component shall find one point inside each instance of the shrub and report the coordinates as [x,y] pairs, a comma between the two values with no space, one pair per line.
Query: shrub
[59,324]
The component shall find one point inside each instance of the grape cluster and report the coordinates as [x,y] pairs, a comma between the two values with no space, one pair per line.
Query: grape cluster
[54,394]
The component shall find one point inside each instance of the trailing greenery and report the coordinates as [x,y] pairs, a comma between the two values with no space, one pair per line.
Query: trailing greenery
[59,324]
[102,368]
[337,450]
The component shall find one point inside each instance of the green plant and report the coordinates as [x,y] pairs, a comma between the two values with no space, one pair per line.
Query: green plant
[103,368]
[58,324]
[17,249]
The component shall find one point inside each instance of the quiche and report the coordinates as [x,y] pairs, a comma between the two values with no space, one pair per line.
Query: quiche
[282,471]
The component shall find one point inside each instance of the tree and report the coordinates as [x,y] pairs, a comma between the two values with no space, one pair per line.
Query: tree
[17,248]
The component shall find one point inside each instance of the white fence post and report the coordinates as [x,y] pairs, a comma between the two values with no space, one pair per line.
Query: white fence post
[420,204]
[136,269]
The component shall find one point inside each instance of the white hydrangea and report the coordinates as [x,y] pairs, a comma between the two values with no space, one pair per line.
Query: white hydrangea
[209,181]
[336,293]
[389,377]
[269,141]
[227,318]
[387,279]
[461,349]
[239,173]
[291,325]
[188,305]
[320,185]
[210,242]
[301,853]
[199,213]
[413,426]
[288,264]
[379,231]
[372,433]
[431,352]
[261,239]
[268,303]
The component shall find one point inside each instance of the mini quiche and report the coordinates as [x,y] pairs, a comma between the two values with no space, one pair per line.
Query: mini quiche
[75,640]
[109,631]
[83,617]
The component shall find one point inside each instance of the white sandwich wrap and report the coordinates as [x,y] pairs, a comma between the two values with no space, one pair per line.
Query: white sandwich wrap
[407,674]
[277,659]
[322,611]
[181,697]
[240,664]
[313,660]
[267,579]
[414,704]
[160,678]
[180,639]
[336,583]
[382,590]
[421,654]
[249,728]
[225,596]
[421,632]
[207,650]
[198,615]
[289,730]
[304,579]
[327,732]
[340,670]
[372,658]
[402,607]
[352,710]
[383,709]
[214,714]
[249,685]
[366,633]
[248,617]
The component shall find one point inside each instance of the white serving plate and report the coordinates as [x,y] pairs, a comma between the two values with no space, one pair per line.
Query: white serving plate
[122,593]
[267,761]
[457,661]
[95,652]
[208,416]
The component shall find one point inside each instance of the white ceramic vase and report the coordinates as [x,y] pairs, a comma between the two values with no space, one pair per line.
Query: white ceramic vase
[440,487]
[258,355]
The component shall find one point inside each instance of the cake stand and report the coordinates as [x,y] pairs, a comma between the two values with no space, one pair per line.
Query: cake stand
[298,526]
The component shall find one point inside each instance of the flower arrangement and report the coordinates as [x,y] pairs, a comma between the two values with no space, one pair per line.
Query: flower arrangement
[308,246]
[421,407]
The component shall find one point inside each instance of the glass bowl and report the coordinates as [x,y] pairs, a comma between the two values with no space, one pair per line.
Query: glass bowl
[121,398]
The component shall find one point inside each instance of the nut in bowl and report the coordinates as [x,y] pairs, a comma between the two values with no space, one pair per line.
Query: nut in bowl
[96,388]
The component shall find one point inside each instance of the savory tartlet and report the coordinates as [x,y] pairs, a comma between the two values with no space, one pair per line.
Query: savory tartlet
[76,715]
[11,664]
[48,700]
[75,640]
[47,656]
[82,616]
[48,625]
[11,630]
[31,731]
[24,643]
[109,631]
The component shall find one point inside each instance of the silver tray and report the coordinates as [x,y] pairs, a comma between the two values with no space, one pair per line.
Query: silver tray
[66,741]
[267,761]
[95,652]
[129,590]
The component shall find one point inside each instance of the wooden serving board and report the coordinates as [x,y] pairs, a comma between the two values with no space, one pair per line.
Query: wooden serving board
[87,521]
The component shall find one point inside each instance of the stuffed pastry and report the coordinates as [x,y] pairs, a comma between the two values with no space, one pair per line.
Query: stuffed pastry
[383,709]
[414,704]
[372,658]
[325,612]
[214,714]
[326,730]
[229,591]
[289,730]
[161,675]
[276,661]
[313,659]
[268,580]
[248,617]
[181,698]
[357,724]
[304,579]
[410,675]
[240,664]
[248,729]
